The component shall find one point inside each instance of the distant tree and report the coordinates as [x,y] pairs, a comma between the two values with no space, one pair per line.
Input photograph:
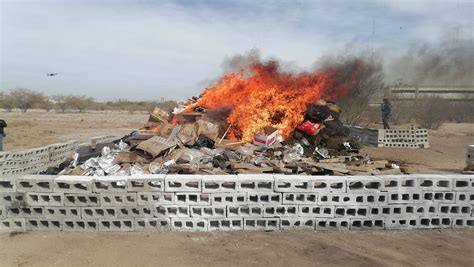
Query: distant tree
[61,102]
[25,99]
[47,104]
[7,102]
[80,102]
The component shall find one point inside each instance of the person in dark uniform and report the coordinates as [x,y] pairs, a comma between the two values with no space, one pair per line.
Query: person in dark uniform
[3,124]
[386,112]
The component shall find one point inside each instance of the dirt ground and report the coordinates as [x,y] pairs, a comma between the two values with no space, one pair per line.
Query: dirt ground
[296,248]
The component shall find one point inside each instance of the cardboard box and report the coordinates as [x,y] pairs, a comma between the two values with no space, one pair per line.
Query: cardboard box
[266,137]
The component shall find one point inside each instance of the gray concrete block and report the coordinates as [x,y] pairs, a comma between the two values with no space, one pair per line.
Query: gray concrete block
[80,225]
[110,184]
[192,199]
[300,198]
[119,225]
[7,184]
[208,211]
[73,184]
[367,224]
[406,211]
[316,211]
[297,223]
[35,183]
[435,222]
[44,199]
[189,224]
[292,183]
[25,212]
[438,197]
[402,223]
[43,225]
[463,222]
[267,224]
[229,199]
[454,210]
[152,198]
[3,212]
[465,197]
[172,211]
[219,184]
[366,198]
[93,213]
[135,212]
[351,211]
[13,199]
[152,224]
[183,183]
[280,211]
[13,225]
[264,198]
[359,184]
[328,184]
[461,182]
[255,182]
[433,182]
[62,213]
[225,224]
[82,200]
[253,211]
[118,199]
[146,183]
[332,224]
[405,197]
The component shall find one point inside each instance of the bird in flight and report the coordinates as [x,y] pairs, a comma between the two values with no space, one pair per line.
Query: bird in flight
[51,74]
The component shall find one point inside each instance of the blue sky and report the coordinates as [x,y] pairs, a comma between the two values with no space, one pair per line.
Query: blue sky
[151,49]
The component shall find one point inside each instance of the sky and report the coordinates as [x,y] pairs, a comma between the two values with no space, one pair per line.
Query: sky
[146,50]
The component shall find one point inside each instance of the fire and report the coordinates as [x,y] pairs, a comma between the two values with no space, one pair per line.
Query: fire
[269,97]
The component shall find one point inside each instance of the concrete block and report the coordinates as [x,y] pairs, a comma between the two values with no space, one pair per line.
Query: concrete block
[425,209]
[135,212]
[455,210]
[461,182]
[297,223]
[25,212]
[172,211]
[7,184]
[43,225]
[3,212]
[12,199]
[328,184]
[465,197]
[183,183]
[62,213]
[152,198]
[300,198]
[438,197]
[91,213]
[152,224]
[463,222]
[120,225]
[82,200]
[433,182]
[254,211]
[224,224]
[367,224]
[208,211]
[73,184]
[267,224]
[405,197]
[193,199]
[316,211]
[110,184]
[292,183]
[80,225]
[219,184]
[351,211]
[332,224]
[405,211]
[358,184]
[44,199]
[229,199]
[435,222]
[146,183]
[13,225]
[264,198]
[398,182]
[280,211]
[189,224]
[118,199]
[365,198]
[402,223]
[35,183]
[255,182]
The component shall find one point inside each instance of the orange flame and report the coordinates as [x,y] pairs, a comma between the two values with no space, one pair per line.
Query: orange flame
[269,97]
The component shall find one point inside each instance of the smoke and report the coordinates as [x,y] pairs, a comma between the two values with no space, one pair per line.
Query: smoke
[448,63]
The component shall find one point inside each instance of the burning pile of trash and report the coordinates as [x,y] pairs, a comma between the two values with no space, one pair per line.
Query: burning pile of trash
[263,122]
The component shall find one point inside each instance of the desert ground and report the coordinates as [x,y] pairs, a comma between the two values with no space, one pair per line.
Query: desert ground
[296,248]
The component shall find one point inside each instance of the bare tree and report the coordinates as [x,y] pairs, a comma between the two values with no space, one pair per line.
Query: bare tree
[80,102]
[25,99]
[8,102]
[61,102]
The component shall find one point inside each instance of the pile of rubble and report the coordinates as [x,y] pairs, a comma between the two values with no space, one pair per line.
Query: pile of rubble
[195,142]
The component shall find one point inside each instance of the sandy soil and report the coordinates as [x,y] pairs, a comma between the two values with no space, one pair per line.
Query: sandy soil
[296,248]
[299,248]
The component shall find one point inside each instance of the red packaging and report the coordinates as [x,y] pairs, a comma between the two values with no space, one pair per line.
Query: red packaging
[310,128]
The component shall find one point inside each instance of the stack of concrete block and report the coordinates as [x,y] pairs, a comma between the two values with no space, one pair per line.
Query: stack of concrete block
[470,158]
[235,202]
[394,138]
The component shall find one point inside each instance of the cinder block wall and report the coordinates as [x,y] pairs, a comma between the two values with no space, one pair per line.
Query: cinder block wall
[235,202]
[395,138]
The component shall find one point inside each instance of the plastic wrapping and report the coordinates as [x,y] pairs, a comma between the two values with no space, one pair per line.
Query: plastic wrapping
[136,170]
[293,154]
